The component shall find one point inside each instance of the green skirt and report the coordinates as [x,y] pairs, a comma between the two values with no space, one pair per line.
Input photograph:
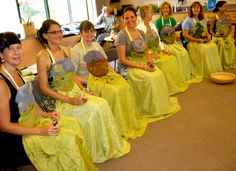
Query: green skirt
[226,51]
[151,92]
[97,121]
[118,94]
[204,59]
[174,77]
[65,151]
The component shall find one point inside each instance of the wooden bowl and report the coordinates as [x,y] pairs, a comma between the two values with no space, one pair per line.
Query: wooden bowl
[222,77]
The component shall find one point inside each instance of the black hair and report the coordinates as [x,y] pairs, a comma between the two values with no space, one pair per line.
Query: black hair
[44,29]
[7,39]
[218,5]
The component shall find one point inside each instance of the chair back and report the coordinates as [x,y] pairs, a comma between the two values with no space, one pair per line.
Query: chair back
[112,56]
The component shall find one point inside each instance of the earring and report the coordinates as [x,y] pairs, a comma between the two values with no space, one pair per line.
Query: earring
[2,60]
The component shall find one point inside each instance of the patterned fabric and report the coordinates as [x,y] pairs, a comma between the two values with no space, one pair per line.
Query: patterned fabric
[167,34]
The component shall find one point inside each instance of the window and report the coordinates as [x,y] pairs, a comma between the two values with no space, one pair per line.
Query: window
[9,20]
[63,11]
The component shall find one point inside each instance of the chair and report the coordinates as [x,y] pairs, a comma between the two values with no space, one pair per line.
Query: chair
[101,37]
[112,56]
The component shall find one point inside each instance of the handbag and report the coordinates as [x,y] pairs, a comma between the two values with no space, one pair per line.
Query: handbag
[29,28]
[45,102]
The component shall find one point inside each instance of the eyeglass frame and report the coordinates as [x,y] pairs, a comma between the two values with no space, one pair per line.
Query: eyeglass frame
[55,32]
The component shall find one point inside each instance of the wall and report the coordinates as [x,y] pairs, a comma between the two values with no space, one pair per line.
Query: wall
[141,2]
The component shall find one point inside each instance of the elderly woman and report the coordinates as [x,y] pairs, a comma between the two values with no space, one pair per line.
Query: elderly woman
[26,131]
[106,83]
[146,80]
[165,24]
[221,27]
[203,54]
[65,94]
[166,62]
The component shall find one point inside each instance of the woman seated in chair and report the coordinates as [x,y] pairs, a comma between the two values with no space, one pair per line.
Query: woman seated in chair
[106,83]
[146,80]
[166,27]
[63,93]
[161,57]
[221,35]
[203,54]
[51,142]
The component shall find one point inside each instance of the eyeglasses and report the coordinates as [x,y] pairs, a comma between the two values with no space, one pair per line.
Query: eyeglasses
[89,31]
[55,32]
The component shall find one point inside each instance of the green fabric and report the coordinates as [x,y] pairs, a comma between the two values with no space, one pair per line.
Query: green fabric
[170,68]
[226,48]
[158,23]
[151,92]
[226,45]
[204,59]
[118,94]
[65,151]
[98,124]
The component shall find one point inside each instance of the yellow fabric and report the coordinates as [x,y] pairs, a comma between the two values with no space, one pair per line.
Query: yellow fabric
[204,59]
[174,78]
[97,121]
[151,92]
[118,94]
[226,51]
[65,151]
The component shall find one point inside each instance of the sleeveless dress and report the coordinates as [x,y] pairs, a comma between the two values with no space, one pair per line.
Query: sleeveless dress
[149,88]
[12,153]
[204,57]
[52,152]
[167,34]
[225,45]
[167,64]
[95,116]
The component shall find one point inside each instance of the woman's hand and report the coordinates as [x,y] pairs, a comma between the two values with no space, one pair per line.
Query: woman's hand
[54,116]
[76,101]
[49,130]
[167,52]
[148,68]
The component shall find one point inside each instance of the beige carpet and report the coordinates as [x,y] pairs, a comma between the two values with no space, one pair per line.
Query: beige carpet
[200,137]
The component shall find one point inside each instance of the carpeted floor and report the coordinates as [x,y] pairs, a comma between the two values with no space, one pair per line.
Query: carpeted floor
[200,137]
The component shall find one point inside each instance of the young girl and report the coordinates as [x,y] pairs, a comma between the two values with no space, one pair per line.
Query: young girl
[221,28]
[203,54]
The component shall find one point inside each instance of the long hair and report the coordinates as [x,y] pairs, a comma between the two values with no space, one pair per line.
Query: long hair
[162,6]
[218,5]
[200,15]
[44,29]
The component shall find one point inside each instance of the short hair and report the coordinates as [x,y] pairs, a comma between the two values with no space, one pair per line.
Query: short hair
[7,39]
[162,6]
[144,9]
[200,16]
[86,25]
[129,8]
